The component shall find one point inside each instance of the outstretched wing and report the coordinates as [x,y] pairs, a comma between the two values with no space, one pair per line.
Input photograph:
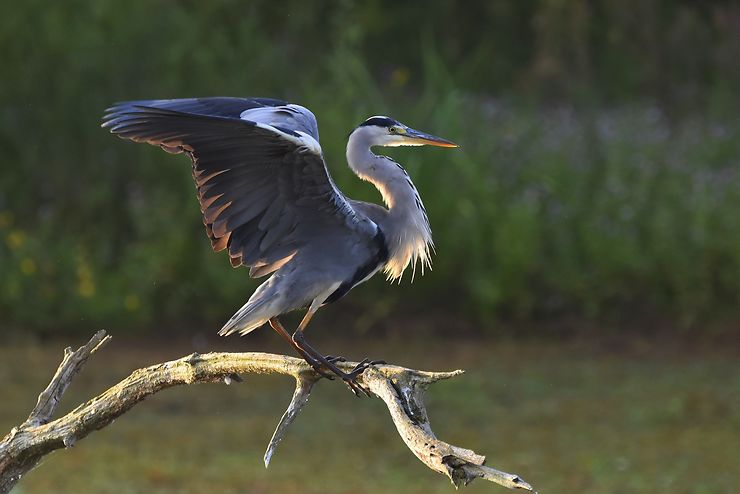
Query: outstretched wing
[263,187]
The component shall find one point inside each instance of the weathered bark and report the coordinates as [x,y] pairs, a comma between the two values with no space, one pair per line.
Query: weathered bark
[401,389]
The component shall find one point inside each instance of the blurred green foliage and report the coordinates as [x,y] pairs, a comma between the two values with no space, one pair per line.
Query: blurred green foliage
[597,176]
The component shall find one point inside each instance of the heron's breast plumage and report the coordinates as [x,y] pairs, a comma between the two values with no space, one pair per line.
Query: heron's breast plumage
[407,226]
[410,243]
[366,270]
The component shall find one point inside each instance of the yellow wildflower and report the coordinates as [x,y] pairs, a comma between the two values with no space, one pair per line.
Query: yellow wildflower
[28,266]
[131,302]
[15,239]
[86,288]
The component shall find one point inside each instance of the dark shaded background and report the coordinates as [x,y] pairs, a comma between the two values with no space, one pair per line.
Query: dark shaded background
[596,184]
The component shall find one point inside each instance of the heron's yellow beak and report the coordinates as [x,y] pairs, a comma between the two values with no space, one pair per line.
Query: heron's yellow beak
[413,137]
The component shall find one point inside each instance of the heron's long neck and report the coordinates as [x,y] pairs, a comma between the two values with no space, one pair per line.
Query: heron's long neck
[406,227]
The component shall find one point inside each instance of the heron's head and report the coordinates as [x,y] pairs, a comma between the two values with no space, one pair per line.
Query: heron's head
[385,131]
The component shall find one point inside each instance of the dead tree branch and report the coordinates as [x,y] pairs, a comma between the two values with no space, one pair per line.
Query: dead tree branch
[401,389]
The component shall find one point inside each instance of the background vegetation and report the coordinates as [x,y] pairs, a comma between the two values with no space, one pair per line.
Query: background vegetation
[597,179]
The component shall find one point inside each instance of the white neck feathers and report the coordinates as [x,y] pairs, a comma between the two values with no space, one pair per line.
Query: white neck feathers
[406,227]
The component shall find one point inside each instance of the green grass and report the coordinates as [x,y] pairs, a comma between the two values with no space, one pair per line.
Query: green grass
[610,418]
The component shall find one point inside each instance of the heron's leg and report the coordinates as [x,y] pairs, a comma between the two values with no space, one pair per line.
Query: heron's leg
[364,364]
[349,378]
[279,329]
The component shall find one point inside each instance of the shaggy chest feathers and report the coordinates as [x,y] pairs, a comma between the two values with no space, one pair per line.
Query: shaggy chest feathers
[412,245]
[407,230]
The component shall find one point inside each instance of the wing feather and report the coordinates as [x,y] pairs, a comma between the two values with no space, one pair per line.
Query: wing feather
[262,183]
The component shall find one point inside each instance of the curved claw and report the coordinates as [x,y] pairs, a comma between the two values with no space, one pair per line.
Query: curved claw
[350,378]
[364,364]
[360,367]
[334,360]
[355,387]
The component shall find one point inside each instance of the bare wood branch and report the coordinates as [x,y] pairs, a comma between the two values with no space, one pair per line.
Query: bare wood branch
[71,365]
[303,387]
[400,388]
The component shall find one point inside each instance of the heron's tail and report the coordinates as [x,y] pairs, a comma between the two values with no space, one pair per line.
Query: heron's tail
[246,319]
[262,305]
[242,323]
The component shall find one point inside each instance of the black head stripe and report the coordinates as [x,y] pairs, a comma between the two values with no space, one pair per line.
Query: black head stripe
[379,122]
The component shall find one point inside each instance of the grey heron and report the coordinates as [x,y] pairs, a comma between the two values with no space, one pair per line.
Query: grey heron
[268,199]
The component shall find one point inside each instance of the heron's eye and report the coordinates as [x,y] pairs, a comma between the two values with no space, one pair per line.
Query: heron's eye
[392,130]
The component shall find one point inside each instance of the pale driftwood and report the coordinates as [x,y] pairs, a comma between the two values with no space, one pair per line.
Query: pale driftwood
[401,389]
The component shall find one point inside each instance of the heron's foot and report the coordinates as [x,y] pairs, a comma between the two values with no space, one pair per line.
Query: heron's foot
[324,372]
[364,364]
[320,368]
[350,378]
[326,365]
[351,381]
